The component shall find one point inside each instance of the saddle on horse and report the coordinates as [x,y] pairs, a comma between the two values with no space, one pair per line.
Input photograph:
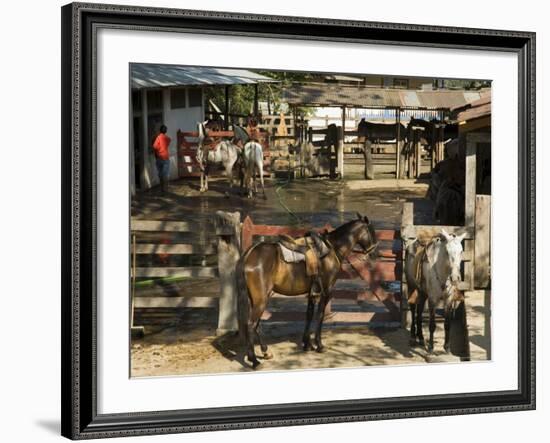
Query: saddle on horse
[311,248]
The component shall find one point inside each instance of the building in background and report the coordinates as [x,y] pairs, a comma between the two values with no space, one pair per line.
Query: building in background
[172,95]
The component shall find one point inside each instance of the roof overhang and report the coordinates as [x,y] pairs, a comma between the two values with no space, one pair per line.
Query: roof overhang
[327,95]
[149,76]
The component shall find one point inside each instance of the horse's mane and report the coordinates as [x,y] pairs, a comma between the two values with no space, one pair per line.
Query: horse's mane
[346,227]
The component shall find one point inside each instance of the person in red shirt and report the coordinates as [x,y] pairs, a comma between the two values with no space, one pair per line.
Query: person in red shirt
[162,153]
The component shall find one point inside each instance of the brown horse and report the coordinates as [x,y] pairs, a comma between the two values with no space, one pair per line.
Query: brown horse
[263,271]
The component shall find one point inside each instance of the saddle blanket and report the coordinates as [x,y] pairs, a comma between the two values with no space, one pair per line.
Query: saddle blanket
[310,259]
[291,256]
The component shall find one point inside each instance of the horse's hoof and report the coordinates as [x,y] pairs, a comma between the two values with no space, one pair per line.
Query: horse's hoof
[308,347]
[268,356]
[412,342]
[255,364]
[431,349]
[421,342]
[321,349]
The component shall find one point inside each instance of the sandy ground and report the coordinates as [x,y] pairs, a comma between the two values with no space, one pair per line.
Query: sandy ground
[187,344]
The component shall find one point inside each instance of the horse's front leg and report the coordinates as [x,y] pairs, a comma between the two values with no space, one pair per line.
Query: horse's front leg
[229,174]
[320,317]
[446,346]
[431,308]
[412,308]
[202,182]
[419,314]
[306,340]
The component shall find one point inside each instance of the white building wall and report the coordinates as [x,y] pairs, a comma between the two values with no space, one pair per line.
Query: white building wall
[184,119]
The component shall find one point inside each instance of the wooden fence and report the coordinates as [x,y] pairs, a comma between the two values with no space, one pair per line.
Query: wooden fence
[211,286]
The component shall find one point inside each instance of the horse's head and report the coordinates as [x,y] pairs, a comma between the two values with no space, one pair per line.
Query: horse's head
[453,245]
[365,236]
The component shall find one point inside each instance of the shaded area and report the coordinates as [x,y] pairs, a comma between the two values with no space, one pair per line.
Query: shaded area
[311,202]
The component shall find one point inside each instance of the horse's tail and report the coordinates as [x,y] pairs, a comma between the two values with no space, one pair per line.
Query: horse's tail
[259,159]
[243,305]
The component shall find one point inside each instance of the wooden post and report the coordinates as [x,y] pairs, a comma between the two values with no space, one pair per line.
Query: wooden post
[434,145]
[470,191]
[412,154]
[226,112]
[340,149]
[397,142]
[470,205]
[136,331]
[369,166]
[417,153]
[482,241]
[440,142]
[256,101]
[228,231]
[407,219]
[144,180]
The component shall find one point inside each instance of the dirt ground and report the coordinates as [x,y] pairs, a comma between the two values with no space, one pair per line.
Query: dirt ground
[185,342]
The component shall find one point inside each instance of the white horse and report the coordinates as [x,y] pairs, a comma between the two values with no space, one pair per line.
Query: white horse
[433,273]
[253,165]
[224,153]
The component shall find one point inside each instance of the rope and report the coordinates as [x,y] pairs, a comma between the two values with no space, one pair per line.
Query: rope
[283,204]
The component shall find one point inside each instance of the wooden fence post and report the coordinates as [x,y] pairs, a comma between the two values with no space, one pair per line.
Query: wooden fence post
[228,231]
[369,166]
[340,151]
[406,220]
[417,154]
[136,331]
[482,242]
[470,205]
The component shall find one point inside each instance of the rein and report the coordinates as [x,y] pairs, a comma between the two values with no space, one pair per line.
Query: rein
[331,246]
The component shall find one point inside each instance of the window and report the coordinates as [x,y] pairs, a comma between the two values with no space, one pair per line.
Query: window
[154,100]
[195,97]
[177,98]
[401,83]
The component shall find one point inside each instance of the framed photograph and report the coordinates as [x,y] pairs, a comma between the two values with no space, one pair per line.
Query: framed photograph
[273,221]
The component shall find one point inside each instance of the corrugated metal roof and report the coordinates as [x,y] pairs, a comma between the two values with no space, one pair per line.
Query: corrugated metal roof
[320,94]
[476,109]
[162,76]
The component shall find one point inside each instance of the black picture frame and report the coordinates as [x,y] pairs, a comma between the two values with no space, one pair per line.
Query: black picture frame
[79,171]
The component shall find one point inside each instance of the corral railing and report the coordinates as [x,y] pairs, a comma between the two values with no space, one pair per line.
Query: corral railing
[202,284]
[171,250]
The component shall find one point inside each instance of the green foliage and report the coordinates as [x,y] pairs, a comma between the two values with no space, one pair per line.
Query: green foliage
[466,84]
[241,97]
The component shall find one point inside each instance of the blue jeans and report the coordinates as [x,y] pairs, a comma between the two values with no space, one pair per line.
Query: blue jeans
[163,168]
